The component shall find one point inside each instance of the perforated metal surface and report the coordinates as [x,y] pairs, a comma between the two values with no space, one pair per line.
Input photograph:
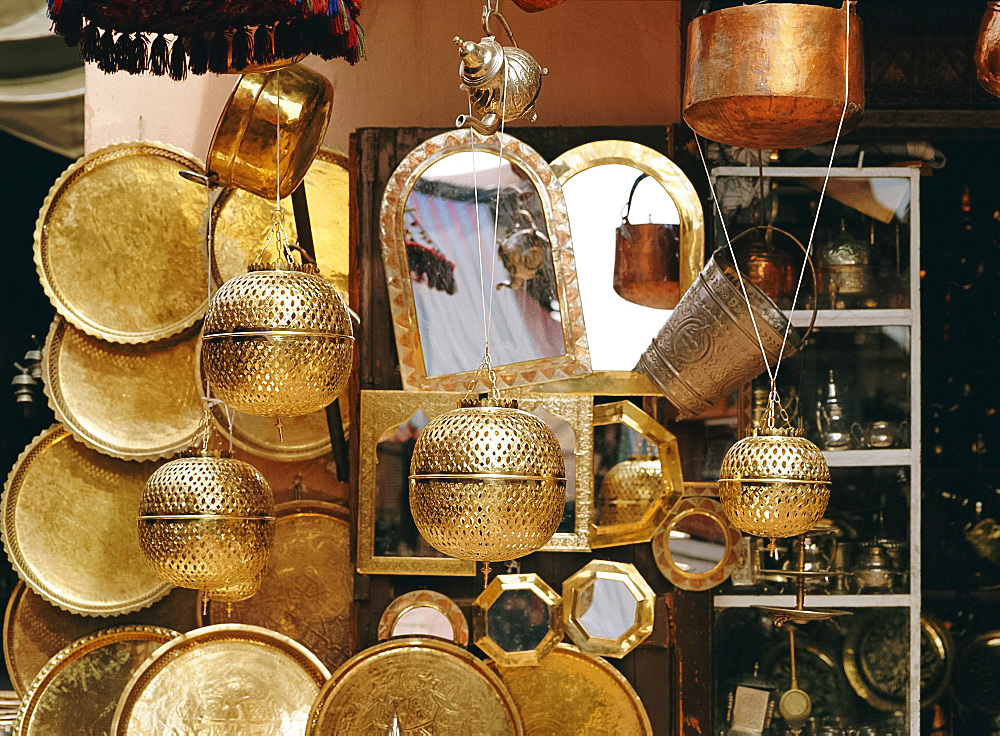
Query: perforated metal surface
[207,523]
[774,483]
[628,489]
[277,343]
[510,512]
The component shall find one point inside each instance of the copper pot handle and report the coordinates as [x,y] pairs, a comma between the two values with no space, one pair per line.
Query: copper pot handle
[627,209]
[808,259]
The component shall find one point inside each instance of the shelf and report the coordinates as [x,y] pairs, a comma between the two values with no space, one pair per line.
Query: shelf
[875,600]
[869,458]
[811,172]
[853,317]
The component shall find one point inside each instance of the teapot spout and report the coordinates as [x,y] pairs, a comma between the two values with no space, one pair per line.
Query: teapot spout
[489,125]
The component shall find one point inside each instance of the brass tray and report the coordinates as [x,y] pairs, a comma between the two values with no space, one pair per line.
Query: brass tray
[118,244]
[308,588]
[240,218]
[229,678]
[78,689]
[570,692]
[69,527]
[302,438]
[136,402]
[430,685]
[34,631]
[316,478]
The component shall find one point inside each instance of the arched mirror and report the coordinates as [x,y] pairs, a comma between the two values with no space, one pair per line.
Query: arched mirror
[607,608]
[519,271]
[424,613]
[696,548]
[517,620]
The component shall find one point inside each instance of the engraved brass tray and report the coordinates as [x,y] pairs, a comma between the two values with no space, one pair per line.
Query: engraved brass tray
[34,631]
[118,246]
[240,218]
[77,691]
[136,402]
[570,692]
[308,587]
[225,679]
[302,438]
[430,685]
[69,527]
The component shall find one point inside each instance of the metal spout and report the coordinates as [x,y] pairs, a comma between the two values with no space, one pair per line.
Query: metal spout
[489,125]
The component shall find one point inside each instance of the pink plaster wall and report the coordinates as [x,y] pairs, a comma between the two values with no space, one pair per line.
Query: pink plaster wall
[610,62]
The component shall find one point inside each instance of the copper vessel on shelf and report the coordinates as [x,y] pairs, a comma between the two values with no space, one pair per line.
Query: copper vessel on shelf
[987,51]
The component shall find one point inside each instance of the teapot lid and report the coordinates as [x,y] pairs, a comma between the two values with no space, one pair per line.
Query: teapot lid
[481,61]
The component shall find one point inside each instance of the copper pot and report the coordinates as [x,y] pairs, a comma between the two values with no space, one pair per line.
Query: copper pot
[242,153]
[987,53]
[772,75]
[647,261]
[534,6]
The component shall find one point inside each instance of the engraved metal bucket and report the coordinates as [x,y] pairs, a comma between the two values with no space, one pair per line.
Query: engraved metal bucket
[707,348]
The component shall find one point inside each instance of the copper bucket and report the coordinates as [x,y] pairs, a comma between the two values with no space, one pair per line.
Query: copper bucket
[242,153]
[708,348]
[772,75]
[647,261]
[987,51]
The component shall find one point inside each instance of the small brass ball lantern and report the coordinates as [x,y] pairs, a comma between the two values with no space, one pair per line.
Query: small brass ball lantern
[487,481]
[629,487]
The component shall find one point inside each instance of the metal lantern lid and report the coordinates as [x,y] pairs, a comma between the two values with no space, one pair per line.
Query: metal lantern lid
[277,341]
[207,522]
[487,481]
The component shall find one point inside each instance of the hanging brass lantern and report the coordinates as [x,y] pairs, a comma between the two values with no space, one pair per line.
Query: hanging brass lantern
[206,521]
[277,341]
[487,481]
[628,489]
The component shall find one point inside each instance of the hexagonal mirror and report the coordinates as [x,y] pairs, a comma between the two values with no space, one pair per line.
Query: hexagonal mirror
[517,620]
[608,608]
[637,474]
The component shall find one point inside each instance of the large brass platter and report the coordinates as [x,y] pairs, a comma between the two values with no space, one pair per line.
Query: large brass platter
[432,686]
[570,692]
[240,218]
[34,631]
[308,587]
[69,527]
[118,246]
[302,438]
[136,402]
[225,679]
[78,689]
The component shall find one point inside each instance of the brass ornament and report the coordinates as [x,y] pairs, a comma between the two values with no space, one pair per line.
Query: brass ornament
[277,341]
[487,481]
[630,485]
[517,620]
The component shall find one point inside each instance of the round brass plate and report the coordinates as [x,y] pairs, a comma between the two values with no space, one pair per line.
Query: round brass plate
[34,631]
[782,616]
[118,246]
[76,692]
[136,402]
[302,438]
[432,599]
[430,685]
[228,678]
[239,220]
[308,588]
[570,692]
[69,527]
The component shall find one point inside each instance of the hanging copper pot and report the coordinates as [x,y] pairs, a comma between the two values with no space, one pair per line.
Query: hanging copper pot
[772,75]
[987,53]
[534,6]
[647,261]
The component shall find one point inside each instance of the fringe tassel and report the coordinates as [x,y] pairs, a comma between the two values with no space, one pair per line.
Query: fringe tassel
[106,52]
[158,55]
[122,52]
[198,55]
[287,40]
[138,54]
[218,53]
[178,60]
[263,46]
[91,45]
[241,48]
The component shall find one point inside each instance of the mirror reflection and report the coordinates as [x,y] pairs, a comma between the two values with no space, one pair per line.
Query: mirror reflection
[627,474]
[697,543]
[606,608]
[518,620]
[424,620]
[567,441]
[452,197]
[618,330]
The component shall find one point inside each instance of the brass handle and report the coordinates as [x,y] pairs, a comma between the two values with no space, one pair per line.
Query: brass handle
[488,13]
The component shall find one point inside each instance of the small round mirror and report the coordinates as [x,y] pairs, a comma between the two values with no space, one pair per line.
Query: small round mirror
[423,620]
[697,543]
[424,613]
[696,548]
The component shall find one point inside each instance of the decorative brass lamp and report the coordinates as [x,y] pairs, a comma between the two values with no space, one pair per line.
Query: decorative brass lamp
[629,488]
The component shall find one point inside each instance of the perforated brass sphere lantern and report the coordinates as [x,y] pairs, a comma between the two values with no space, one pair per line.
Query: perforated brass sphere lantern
[774,483]
[628,489]
[277,341]
[207,522]
[487,481]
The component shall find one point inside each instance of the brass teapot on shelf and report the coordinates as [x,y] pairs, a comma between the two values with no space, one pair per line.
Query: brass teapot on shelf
[503,81]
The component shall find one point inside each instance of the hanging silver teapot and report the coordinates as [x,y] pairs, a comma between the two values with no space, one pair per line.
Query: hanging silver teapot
[503,81]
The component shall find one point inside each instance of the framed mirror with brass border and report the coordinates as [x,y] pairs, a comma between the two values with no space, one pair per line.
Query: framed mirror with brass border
[607,608]
[597,179]
[517,620]
[442,192]
[696,548]
[637,475]
[424,613]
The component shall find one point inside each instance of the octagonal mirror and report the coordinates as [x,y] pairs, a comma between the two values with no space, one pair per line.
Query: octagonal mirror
[607,608]
[637,475]
[517,620]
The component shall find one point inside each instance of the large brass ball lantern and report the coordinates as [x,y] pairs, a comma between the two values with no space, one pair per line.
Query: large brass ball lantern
[277,341]
[628,489]
[487,481]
